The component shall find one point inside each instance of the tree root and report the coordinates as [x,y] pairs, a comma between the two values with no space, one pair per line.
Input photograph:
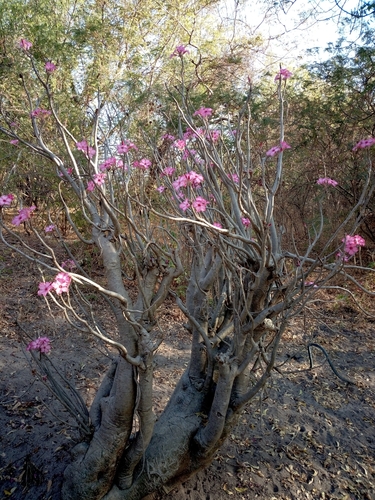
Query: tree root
[318,346]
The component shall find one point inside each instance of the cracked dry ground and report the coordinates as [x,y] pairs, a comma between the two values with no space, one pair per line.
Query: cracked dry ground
[309,435]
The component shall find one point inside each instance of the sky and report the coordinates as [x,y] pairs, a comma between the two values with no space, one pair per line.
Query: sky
[298,27]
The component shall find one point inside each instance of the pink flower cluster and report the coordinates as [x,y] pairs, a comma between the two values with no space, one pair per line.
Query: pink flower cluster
[179,144]
[111,162]
[168,171]
[86,149]
[189,179]
[203,112]
[352,243]
[24,215]
[179,51]
[42,344]
[214,135]
[364,143]
[277,149]
[69,264]
[326,181]
[283,74]
[246,222]
[234,178]
[168,137]
[199,204]
[39,113]
[50,228]
[59,285]
[125,147]
[6,200]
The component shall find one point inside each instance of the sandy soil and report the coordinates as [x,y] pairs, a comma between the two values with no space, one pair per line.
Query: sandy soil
[309,435]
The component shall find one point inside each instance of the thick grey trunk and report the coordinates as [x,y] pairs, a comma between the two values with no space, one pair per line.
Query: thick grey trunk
[169,457]
[94,466]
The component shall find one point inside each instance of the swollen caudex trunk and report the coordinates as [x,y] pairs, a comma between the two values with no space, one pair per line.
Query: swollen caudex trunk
[94,465]
[169,457]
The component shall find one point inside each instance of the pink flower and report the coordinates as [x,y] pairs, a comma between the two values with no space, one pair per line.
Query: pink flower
[193,178]
[200,132]
[214,135]
[42,344]
[200,204]
[168,171]
[99,179]
[245,221]
[364,143]
[326,181]
[85,148]
[284,145]
[14,142]
[90,186]
[160,189]
[6,200]
[311,283]
[25,44]
[44,287]
[359,240]
[234,178]
[24,215]
[69,264]
[283,74]
[180,144]
[50,67]
[143,164]
[341,255]
[184,205]
[189,179]
[50,228]
[203,112]
[179,183]
[109,163]
[168,137]
[61,283]
[39,113]
[179,51]
[277,149]
[125,147]
[188,134]
[69,171]
[217,224]
[351,243]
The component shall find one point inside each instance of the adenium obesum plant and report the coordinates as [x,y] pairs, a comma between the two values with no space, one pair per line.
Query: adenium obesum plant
[187,205]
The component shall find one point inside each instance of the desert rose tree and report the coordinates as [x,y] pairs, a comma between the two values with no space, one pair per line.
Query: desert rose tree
[192,206]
